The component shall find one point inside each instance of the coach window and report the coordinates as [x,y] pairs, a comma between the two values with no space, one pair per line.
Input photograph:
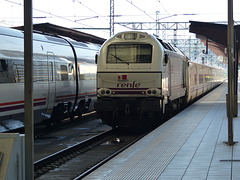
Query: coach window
[3,65]
[184,74]
[206,78]
[64,73]
[200,78]
[4,76]
[70,72]
[70,68]
[195,79]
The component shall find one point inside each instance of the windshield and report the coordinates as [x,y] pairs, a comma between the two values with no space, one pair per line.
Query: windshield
[129,53]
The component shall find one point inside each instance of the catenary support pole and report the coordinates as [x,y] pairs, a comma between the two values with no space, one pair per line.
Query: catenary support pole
[28,90]
[235,113]
[230,97]
[111,17]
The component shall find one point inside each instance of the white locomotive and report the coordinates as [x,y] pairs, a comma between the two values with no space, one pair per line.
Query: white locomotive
[141,78]
[64,75]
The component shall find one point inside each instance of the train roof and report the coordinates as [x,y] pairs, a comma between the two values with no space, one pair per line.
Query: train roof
[48,28]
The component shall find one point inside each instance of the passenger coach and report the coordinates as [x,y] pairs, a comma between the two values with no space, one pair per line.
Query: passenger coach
[64,75]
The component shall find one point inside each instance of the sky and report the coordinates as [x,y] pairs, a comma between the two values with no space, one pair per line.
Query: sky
[95,13]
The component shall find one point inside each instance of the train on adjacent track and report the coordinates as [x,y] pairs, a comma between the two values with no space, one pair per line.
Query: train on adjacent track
[64,75]
[142,79]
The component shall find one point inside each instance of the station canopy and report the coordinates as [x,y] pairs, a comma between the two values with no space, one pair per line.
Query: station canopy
[49,28]
[213,35]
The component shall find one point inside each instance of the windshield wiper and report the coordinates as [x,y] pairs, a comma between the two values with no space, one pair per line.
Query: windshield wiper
[120,59]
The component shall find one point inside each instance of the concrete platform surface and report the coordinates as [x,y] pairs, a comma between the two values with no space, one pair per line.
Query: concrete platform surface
[189,146]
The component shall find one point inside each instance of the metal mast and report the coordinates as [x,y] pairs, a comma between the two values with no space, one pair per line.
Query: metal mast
[111,17]
[28,91]
[157,20]
[230,95]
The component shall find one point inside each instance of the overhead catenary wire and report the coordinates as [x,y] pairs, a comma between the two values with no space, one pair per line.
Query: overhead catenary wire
[140,9]
[58,16]
[99,15]
[163,7]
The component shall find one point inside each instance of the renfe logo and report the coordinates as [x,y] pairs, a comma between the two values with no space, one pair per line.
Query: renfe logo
[133,84]
[122,77]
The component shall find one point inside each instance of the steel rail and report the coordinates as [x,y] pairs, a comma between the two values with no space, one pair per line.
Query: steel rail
[68,151]
[109,158]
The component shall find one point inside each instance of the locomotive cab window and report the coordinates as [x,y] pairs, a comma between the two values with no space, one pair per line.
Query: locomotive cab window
[129,53]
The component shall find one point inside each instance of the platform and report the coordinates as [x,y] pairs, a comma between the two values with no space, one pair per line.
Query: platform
[189,146]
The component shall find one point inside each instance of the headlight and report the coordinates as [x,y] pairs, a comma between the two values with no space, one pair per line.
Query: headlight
[104,92]
[153,92]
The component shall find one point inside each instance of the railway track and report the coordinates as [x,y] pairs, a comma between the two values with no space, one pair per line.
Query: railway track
[88,171]
[90,153]
[55,160]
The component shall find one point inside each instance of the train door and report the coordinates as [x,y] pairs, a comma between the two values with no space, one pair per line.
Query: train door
[51,81]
